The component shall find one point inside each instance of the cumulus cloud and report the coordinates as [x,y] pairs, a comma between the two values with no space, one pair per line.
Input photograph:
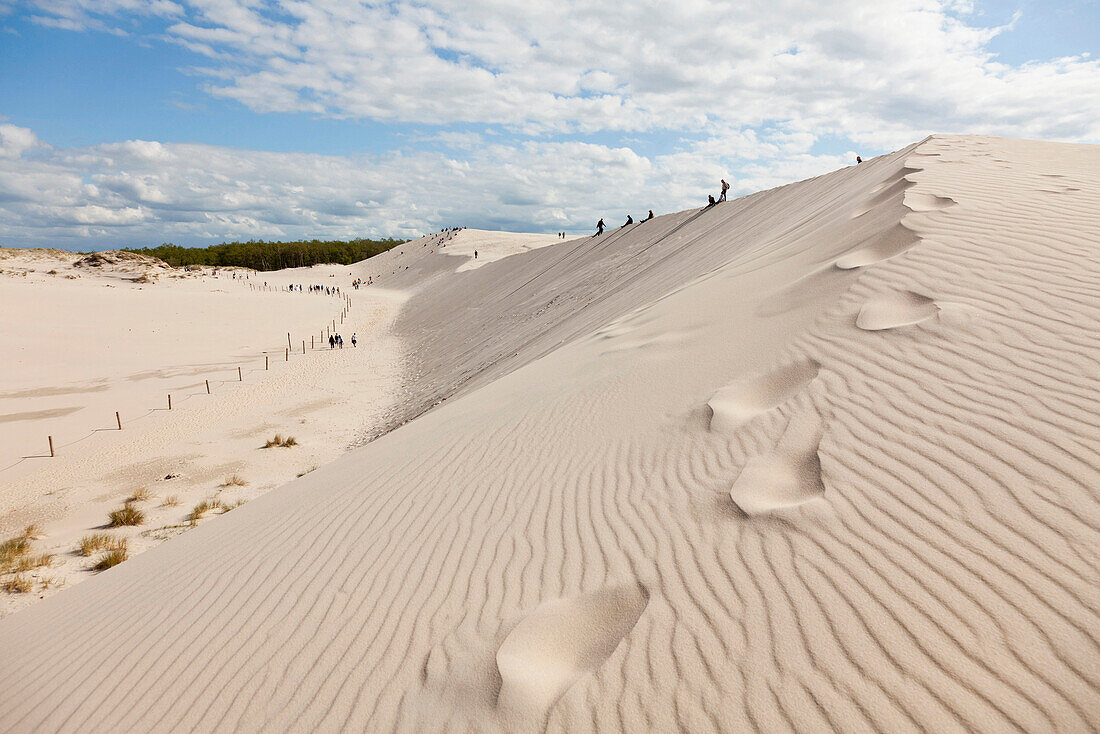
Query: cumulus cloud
[858,68]
[141,192]
[14,141]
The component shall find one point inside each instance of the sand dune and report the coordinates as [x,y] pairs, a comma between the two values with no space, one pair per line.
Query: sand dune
[662,480]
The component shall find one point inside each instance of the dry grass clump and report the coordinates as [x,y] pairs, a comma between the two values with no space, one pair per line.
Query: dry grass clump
[200,510]
[112,558]
[125,515]
[170,501]
[49,582]
[278,440]
[89,544]
[307,471]
[13,550]
[17,585]
[29,563]
[140,495]
[235,481]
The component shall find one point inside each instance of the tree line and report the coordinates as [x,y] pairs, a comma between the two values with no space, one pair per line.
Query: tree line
[263,255]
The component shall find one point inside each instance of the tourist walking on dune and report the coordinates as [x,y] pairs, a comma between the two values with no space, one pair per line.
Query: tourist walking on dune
[599,227]
[354,341]
[725,188]
[331,341]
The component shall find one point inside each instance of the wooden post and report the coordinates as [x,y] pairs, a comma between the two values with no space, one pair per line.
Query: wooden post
[208,387]
[118,421]
[239,377]
[288,340]
[169,401]
[303,346]
[265,362]
[51,446]
[287,355]
[310,341]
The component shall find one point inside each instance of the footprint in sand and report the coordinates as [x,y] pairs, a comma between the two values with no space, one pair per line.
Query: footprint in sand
[892,243]
[560,641]
[895,310]
[788,476]
[739,402]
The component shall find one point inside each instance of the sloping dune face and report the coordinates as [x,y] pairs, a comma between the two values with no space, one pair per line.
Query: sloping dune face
[674,486]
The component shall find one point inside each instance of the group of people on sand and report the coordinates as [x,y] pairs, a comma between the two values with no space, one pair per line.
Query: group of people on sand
[600,226]
[335,340]
[711,201]
[328,290]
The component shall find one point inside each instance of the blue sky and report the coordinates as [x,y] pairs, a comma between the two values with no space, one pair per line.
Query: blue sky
[132,122]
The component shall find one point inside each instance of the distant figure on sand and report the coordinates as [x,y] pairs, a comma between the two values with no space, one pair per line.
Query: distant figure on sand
[339,341]
[629,220]
[599,227]
[710,200]
[649,217]
[354,341]
[475,254]
[858,159]
[331,341]
[725,188]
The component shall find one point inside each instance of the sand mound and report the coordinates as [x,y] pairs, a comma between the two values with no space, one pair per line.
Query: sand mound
[121,260]
[561,640]
[738,403]
[896,310]
[789,475]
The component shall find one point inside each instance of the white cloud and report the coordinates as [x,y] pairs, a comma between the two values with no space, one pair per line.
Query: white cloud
[142,193]
[847,67]
[14,141]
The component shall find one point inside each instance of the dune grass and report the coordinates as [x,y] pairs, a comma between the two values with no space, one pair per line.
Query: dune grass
[125,515]
[89,544]
[199,511]
[14,549]
[234,481]
[170,501]
[29,563]
[140,495]
[17,584]
[280,440]
[111,558]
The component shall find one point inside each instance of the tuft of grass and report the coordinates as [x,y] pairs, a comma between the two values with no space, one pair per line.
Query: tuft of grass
[234,481]
[89,544]
[279,440]
[17,585]
[200,510]
[29,563]
[232,506]
[170,501]
[140,495]
[125,515]
[11,550]
[111,558]
[307,471]
[33,532]
[49,582]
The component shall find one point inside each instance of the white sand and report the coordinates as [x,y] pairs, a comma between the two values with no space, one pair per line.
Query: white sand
[771,466]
